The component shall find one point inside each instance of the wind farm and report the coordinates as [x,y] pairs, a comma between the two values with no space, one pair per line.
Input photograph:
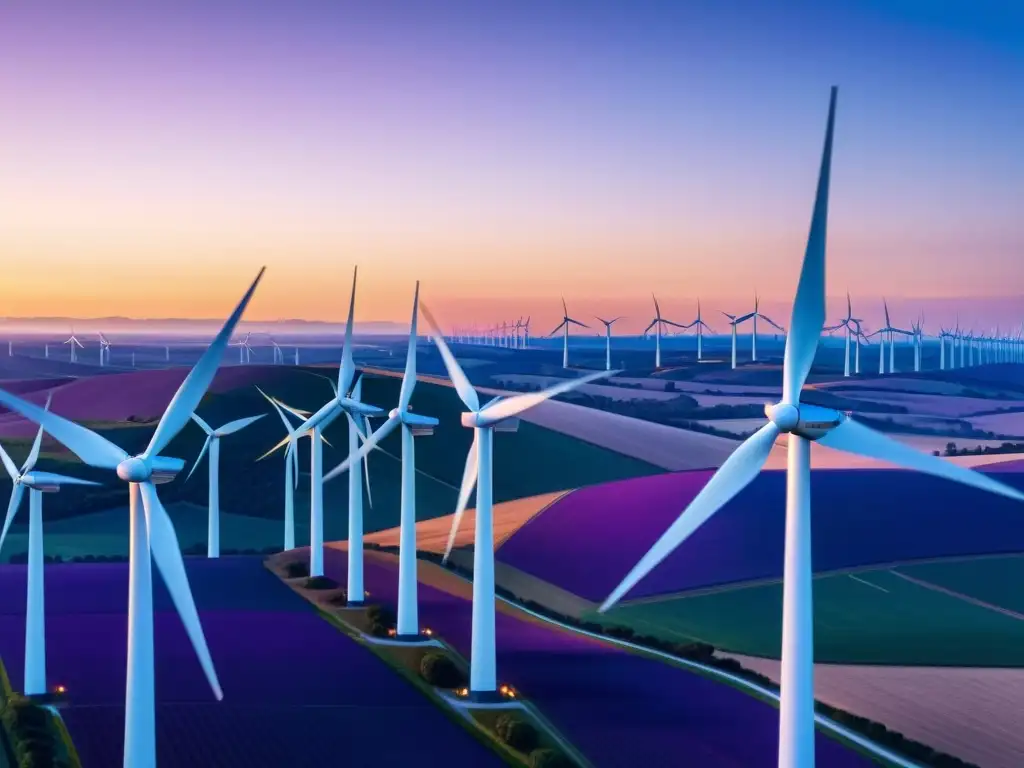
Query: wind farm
[531,366]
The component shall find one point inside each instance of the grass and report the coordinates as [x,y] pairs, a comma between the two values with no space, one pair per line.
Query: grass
[868,617]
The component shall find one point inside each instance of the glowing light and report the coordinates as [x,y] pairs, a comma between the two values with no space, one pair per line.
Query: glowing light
[428,632]
[60,689]
[391,633]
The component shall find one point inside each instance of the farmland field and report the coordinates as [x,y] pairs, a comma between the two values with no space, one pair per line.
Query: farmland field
[619,709]
[868,617]
[297,692]
[862,518]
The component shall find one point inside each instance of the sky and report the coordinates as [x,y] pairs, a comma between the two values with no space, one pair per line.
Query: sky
[153,156]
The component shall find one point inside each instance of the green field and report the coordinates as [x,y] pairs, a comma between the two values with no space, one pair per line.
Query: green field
[869,617]
[531,461]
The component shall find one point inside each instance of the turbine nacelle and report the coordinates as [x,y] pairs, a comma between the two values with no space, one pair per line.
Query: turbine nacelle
[480,420]
[38,482]
[807,421]
[420,426]
[157,470]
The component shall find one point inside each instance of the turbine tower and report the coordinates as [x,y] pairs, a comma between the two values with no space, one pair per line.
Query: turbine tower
[151,534]
[74,342]
[212,445]
[847,323]
[413,425]
[497,415]
[657,324]
[341,403]
[734,321]
[753,333]
[889,332]
[700,325]
[803,423]
[38,483]
[564,327]
[608,340]
[104,350]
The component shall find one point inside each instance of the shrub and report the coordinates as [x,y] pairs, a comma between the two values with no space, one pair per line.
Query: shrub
[437,668]
[320,582]
[549,758]
[381,618]
[296,569]
[521,735]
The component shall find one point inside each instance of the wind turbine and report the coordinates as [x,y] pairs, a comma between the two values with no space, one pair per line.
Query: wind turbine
[104,350]
[74,342]
[608,341]
[151,534]
[498,415]
[341,403]
[700,325]
[657,324]
[564,327]
[277,353]
[846,323]
[38,483]
[212,445]
[803,423]
[918,337]
[753,334]
[890,332]
[734,321]
[413,425]
[291,456]
[244,350]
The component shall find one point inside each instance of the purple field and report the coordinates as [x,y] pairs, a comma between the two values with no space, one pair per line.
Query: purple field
[619,709]
[862,517]
[297,691]
[116,396]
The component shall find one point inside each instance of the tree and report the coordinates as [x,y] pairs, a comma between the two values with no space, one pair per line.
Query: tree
[438,669]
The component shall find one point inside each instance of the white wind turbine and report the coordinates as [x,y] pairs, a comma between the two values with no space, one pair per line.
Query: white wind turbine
[212,445]
[498,415]
[74,342]
[700,325]
[847,323]
[151,534]
[38,483]
[244,350]
[753,333]
[278,353]
[564,327]
[341,403]
[658,324]
[413,425]
[291,457]
[608,340]
[104,350]
[803,423]
[735,321]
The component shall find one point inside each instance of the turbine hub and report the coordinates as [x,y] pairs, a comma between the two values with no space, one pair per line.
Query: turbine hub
[134,470]
[785,416]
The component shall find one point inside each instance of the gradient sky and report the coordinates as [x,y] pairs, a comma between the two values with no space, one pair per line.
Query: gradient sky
[153,155]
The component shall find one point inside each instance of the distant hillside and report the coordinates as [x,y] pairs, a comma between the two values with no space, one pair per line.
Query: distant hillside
[24,326]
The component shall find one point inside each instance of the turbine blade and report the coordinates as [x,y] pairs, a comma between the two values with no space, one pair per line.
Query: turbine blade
[12,509]
[9,464]
[163,543]
[854,437]
[557,328]
[735,474]
[577,322]
[504,409]
[465,390]
[469,475]
[238,424]
[385,429]
[277,408]
[809,304]
[55,479]
[347,369]
[95,450]
[654,322]
[33,454]
[770,321]
[366,466]
[409,378]
[284,441]
[206,427]
[194,387]
[199,458]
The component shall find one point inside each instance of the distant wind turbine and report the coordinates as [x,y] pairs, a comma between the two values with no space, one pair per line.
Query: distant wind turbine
[658,324]
[735,321]
[700,325]
[74,342]
[212,445]
[608,341]
[564,327]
